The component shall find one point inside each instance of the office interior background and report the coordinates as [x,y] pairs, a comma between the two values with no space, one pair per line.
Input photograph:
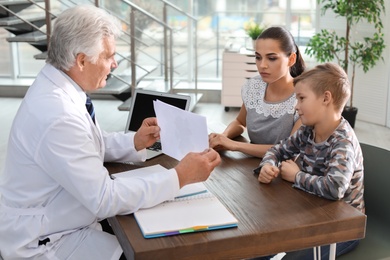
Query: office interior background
[199,33]
[179,46]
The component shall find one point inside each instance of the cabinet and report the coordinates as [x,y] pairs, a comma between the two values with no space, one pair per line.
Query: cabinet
[237,67]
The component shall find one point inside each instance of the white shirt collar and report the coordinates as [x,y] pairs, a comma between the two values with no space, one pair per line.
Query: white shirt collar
[79,90]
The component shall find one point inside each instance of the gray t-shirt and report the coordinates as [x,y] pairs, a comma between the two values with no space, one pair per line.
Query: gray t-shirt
[267,122]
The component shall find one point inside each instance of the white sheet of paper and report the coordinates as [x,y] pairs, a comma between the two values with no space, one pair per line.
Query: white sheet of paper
[181,131]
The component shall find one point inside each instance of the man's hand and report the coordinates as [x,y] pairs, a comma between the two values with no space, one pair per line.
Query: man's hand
[196,167]
[268,173]
[147,134]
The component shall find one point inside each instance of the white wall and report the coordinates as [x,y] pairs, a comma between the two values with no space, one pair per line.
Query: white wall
[386,22]
[372,89]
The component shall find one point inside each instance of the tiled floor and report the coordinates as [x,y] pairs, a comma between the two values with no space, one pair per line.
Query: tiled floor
[111,119]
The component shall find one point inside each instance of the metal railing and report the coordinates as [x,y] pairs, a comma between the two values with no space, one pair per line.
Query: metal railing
[206,53]
[193,24]
[48,18]
[168,63]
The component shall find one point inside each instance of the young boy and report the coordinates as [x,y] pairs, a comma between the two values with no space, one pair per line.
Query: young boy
[323,157]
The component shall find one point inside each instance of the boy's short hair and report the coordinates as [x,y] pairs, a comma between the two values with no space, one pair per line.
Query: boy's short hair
[328,77]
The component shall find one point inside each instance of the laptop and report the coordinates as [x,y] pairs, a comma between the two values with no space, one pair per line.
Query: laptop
[142,107]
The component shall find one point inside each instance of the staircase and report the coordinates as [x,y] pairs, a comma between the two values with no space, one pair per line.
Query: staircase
[25,25]
[28,21]
[30,27]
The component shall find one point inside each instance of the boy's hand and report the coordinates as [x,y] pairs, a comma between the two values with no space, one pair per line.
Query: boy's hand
[268,173]
[288,170]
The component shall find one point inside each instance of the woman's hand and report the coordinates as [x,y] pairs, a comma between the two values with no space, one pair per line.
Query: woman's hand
[220,142]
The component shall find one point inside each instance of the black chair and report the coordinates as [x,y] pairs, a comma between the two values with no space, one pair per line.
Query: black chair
[376,244]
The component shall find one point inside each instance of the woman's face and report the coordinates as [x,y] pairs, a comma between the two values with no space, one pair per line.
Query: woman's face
[272,63]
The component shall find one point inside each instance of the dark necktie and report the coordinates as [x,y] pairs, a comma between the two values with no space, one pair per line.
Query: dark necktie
[90,108]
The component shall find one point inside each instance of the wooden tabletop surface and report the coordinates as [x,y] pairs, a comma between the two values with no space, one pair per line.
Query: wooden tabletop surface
[272,218]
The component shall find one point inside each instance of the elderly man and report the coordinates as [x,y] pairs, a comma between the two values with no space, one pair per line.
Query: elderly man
[55,188]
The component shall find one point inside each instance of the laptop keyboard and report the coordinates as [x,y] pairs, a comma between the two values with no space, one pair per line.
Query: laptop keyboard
[156,146]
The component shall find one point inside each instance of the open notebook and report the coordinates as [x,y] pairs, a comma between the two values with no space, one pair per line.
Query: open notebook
[142,107]
[193,209]
[189,214]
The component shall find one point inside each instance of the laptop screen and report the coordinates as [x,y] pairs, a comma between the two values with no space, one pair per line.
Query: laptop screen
[142,106]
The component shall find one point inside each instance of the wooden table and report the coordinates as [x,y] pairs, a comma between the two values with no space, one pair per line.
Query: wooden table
[272,218]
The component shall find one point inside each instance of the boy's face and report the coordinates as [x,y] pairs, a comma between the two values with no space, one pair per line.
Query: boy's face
[309,106]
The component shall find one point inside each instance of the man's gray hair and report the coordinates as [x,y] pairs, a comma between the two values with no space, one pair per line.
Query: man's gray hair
[80,29]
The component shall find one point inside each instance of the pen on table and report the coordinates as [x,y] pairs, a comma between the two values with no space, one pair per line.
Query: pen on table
[257,170]
[294,160]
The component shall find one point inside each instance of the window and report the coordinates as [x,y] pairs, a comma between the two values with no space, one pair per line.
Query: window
[219,22]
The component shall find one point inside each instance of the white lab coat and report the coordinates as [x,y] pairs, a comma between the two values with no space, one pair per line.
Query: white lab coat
[54,183]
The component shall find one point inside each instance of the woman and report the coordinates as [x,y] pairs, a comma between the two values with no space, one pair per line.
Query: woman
[268,110]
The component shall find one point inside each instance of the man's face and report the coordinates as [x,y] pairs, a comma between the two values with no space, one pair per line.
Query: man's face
[95,75]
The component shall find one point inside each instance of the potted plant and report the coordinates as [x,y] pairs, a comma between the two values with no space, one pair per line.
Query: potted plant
[328,46]
[253,30]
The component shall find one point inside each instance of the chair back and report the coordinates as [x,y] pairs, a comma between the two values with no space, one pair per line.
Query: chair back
[376,181]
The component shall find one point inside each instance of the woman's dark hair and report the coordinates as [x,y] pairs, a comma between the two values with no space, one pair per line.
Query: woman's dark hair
[288,45]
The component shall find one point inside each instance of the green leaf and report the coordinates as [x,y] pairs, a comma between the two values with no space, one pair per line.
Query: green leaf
[328,46]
